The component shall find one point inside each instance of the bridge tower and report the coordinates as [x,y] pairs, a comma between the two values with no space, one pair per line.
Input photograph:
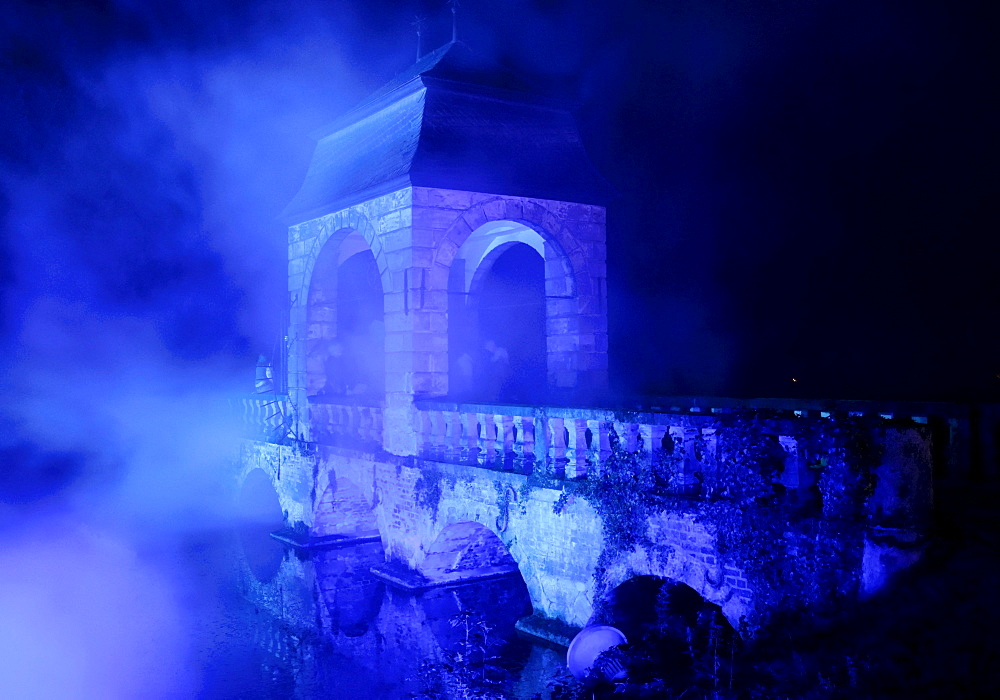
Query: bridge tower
[450,172]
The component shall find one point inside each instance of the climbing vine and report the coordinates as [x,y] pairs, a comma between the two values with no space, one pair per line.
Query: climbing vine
[427,489]
[775,538]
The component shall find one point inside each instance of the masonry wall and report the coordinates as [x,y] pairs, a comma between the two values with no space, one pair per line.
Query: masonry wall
[414,234]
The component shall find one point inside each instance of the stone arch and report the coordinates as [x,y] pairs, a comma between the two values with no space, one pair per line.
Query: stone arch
[343,510]
[342,237]
[633,605]
[505,302]
[671,623]
[464,550]
[565,248]
[686,555]
[336,227]
[570,292]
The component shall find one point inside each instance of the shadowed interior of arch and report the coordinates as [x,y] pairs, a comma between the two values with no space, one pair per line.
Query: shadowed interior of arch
[673,625]
[497,315]
[345,354]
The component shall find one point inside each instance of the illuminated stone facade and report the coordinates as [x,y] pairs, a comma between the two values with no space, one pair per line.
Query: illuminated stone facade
[432,173]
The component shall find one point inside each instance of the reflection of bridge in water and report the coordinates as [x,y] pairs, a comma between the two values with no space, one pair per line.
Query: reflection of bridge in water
[409,244]
[328,624]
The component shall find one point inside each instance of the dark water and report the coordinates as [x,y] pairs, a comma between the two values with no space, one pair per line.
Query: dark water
[283,625]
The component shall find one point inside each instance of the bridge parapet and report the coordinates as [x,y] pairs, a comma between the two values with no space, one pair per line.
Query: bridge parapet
[800,457]
[265,415]
[344,422]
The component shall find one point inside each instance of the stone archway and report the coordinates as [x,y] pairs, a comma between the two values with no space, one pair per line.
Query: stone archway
[575,316]
[496,322]
[344,328]
[466,550]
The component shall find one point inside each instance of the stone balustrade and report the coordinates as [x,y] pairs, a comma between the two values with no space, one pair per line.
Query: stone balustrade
[572,442]
[346,421]
[262,414]
[682,445]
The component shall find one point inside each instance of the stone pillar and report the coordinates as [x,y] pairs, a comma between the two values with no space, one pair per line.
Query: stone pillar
[416,325]
[303,247]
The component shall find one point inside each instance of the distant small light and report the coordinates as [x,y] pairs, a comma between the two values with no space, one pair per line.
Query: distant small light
[795,380]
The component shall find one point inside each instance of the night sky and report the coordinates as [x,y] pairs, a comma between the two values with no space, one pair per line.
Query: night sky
[807,189]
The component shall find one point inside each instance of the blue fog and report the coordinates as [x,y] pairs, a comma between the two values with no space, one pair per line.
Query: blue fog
[803,190]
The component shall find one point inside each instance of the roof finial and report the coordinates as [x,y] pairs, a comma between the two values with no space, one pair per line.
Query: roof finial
[418,22]
[454,19]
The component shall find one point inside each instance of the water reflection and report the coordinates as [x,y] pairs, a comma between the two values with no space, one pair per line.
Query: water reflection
[321,624]
[263,553]
[351,597]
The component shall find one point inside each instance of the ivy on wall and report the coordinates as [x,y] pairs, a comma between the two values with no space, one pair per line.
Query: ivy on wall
[792,547]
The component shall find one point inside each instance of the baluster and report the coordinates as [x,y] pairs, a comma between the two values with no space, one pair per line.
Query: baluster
[371,437]
[453,446]
[526,437]
[489,439]
[438,423]
[693,483]
[558,441]
[470,446]
[604,441]
[789,476]
[364,425]
[654,435]
[569,439]
[675,434]
[629,433]
[507,424]
[350,424]
[710,461]
[577,464]
[426,441]
[334,420]
[645,432]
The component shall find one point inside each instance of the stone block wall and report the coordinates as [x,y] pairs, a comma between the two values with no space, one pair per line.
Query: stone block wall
[414,235]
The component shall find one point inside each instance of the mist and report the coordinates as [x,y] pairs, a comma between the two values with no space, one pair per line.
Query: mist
[147,151]
[802,192]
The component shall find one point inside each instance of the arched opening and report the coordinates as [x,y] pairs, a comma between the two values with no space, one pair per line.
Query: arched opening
[676,638]
[497,315]
[345,354]
[343,510]
[259,514]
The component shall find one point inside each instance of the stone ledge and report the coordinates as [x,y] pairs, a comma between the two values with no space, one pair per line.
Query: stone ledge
[411,581]
[547,629]
[307,543]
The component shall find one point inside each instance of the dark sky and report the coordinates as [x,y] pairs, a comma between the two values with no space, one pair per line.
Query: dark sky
[807,188]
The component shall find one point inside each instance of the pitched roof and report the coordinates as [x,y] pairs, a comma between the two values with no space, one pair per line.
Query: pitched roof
[452,120]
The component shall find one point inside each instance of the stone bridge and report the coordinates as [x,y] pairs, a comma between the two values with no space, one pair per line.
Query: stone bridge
[835,501]
[454,214]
